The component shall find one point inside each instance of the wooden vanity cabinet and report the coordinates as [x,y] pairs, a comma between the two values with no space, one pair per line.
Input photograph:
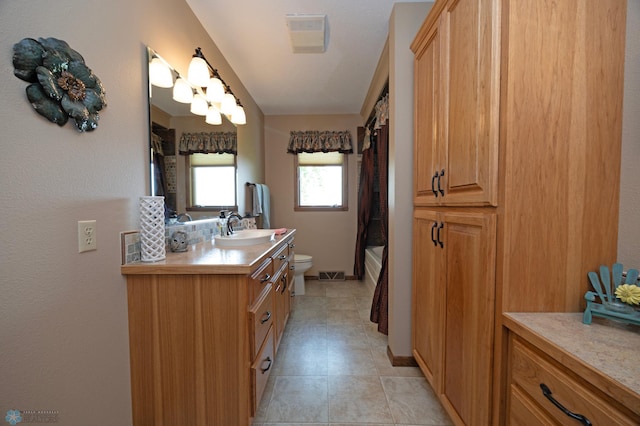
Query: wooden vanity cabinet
[518,116]
[537,362]
[282,290]
[202,345]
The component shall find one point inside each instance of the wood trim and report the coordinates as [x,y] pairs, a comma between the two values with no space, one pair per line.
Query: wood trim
[401,361]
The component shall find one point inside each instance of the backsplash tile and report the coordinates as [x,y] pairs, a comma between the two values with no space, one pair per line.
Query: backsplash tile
[198,231]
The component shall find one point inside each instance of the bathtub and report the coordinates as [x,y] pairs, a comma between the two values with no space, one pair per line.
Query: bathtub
[372,265]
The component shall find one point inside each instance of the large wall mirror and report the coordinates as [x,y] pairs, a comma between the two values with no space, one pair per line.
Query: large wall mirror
[169,121]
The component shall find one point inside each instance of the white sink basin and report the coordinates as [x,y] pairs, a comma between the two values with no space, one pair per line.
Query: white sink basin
[245,237]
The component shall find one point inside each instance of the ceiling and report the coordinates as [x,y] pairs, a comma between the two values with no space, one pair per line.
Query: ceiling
[253,37]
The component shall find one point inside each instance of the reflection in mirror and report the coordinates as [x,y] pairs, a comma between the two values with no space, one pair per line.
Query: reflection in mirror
[169,122]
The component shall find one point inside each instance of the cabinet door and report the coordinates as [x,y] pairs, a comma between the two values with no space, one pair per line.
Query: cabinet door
[469,241]
[469,31]
[428,298]
[426,80]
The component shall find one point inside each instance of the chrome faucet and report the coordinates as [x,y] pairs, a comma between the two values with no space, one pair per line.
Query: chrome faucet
[232,215]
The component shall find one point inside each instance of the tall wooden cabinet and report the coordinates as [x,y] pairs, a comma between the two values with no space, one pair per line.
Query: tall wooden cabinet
[516,178]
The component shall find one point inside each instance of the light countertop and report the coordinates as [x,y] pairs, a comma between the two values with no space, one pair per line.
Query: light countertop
[600,352]
[207,258]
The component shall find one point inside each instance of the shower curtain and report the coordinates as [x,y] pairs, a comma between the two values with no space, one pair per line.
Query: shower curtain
[380,305]
[365,198]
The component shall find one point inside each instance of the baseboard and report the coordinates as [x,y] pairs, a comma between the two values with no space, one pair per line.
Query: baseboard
[315,277]
[401,361]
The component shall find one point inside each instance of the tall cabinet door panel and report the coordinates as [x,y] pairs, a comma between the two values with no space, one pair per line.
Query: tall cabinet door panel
[426,161]
[428,298]
[470,53]
[469,241]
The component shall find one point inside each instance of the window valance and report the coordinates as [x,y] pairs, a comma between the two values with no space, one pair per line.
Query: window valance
[320,141]
[208,143]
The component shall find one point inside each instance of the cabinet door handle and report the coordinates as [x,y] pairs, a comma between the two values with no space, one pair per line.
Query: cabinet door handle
[579,417]
[266,278]
[433,184]
[292,267]
[266,317]
[282,257]
[433,238]
[264,370]
[439,187]
[292,245]
[439,229]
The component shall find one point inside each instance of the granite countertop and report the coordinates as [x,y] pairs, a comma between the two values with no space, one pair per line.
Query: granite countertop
[207,258]
[604,346]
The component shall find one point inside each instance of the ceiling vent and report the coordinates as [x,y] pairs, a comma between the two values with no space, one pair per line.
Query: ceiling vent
[307,33]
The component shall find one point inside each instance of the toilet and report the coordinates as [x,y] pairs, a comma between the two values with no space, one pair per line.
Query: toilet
[302,263]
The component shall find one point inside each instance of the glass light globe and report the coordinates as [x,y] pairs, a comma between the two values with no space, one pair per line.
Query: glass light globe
[199,105]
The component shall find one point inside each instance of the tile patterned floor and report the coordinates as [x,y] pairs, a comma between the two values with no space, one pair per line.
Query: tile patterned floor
[332,368]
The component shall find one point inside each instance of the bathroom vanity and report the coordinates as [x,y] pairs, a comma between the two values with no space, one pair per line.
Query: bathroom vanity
[204,328]
[561,371]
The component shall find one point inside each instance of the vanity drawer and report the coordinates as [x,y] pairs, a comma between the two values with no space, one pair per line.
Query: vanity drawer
[530,368]
[259,280]
[280,257]
[261,370]
[261,317]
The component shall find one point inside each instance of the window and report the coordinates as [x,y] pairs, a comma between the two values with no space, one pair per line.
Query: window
[212,181]
[321,181]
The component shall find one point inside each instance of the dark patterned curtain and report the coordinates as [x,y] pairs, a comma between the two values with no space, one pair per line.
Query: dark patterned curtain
[365,199]
[208,143]
[320,141]
[380,305]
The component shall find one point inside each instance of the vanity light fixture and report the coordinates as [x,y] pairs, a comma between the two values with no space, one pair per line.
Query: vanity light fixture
[160,74]
[238,116]
[213,116]
[182,91]
[199,105]
[218,93]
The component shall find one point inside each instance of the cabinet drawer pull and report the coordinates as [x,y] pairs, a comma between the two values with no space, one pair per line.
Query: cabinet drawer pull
[266,278]
[282,257]
[433,184]
[292,245]
[547,393]
[439,229]
[439,187]
[264,370]
[433,238]
[266,317]
[292,267]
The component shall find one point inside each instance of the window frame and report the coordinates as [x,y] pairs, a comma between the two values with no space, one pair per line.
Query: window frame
[345,188]
[189,187]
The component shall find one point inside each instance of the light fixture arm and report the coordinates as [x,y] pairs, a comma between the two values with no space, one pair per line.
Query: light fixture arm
[215,72]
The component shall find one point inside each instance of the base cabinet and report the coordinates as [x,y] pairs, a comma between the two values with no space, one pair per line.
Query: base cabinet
[202,346]
[543,388]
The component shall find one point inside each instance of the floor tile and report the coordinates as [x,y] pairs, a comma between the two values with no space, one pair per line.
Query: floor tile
[349,361]
[412,401]
[357,399]
[299,399]
[332,368]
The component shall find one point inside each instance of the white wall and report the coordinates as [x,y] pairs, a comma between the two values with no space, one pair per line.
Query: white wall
[405,21]
[329,237]
[629,225]
[63,315]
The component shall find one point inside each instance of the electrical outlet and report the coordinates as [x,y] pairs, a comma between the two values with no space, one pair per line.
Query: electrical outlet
[87,236]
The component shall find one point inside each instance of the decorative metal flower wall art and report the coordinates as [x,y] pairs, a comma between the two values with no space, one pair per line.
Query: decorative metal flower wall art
[62,86]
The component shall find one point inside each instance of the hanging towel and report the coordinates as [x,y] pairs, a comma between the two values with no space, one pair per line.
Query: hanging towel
[266,209]
[256,195]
